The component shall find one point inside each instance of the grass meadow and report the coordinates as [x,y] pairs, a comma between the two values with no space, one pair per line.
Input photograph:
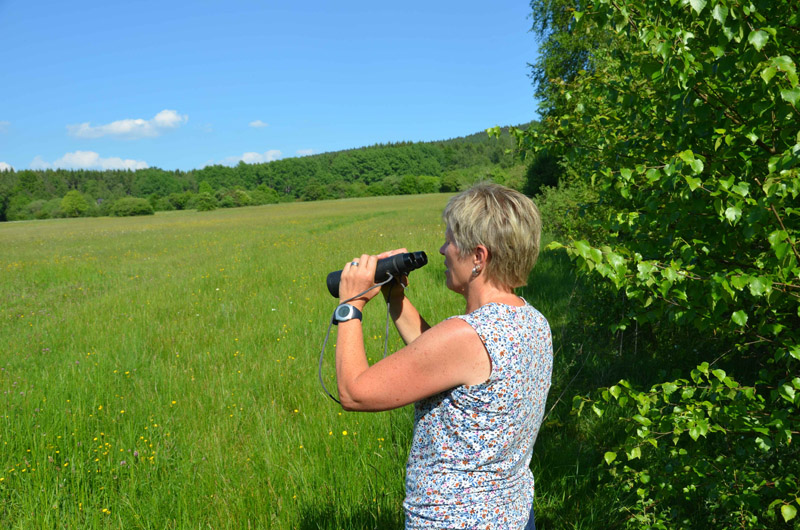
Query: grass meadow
[161,371]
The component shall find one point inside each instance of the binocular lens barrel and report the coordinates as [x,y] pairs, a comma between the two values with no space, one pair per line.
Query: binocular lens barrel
[398,265]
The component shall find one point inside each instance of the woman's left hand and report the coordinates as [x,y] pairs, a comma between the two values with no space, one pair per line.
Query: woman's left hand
[358,275]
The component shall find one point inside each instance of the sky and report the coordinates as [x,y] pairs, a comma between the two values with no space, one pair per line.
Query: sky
[182,85]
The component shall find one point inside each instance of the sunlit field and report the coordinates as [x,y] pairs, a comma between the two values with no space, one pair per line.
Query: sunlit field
[161,372]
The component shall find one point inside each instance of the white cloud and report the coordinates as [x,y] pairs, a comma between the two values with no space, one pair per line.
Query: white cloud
[88,160]
[5,166]
[258,124]
[304,152]
[131,128]
[253,158]
[39,163]
[4,125]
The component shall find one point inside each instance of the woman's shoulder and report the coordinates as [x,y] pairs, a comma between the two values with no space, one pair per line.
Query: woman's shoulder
[523,308]
[494,315]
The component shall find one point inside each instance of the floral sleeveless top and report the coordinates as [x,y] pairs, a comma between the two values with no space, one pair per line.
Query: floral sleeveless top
[468,465]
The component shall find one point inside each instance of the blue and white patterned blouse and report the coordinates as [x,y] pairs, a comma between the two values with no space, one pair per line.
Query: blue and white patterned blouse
[468,465]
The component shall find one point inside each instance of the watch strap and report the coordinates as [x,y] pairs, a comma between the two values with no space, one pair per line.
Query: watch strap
[352,313]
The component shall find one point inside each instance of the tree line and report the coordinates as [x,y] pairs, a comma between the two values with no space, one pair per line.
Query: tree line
[383,169]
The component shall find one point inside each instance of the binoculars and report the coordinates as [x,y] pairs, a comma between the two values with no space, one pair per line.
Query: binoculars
[398,265]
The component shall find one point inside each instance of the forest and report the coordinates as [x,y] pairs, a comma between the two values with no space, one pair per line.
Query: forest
[385,169]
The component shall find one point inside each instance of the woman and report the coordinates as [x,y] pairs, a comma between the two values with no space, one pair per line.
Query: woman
[479,381]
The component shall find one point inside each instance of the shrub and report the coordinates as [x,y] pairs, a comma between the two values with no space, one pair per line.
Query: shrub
[129,206]
[163,205]
[74,204]
[450,183]
[205,202]
[264,195]
[241,198]
[543,171]
[428,184]
[179,200]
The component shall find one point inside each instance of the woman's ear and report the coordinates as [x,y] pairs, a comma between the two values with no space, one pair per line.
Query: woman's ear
[481,255]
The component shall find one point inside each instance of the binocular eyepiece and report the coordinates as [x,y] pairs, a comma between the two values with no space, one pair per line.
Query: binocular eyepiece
[397,265]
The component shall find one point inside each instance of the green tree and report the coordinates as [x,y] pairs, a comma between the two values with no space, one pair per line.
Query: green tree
[408,185]
[74,204]
[205,187]
[315,192]
[685,120]
[205,202]
[178,200]
[429,184]
[543,170]
[264,195]
[241,198]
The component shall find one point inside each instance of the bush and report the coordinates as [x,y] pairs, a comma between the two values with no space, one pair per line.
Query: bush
[428,184]
[264,195]
[543,171]
[129,206]
[179,200]
[315,192]
[376,189]
[241,198]
[205,202]
[74,204]
[571,211]
[163,205]
[450,183]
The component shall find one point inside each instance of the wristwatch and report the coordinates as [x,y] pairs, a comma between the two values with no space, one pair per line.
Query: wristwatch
[345,312]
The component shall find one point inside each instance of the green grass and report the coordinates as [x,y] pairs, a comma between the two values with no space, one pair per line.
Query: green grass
[161,372]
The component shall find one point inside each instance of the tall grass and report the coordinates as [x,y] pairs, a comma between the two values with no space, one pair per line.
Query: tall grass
[160,372]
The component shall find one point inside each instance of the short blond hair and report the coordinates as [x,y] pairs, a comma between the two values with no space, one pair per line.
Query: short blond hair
[503,220]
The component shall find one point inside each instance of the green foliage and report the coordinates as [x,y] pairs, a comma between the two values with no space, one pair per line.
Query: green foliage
[570,211]
[205,187]
[74,204]
[543,171]
[179,200]
[130,206]
[315,192]
[685,122]
[241,198]
[564,50]
[205,202]
[264,195]
[163,204]
[428,184]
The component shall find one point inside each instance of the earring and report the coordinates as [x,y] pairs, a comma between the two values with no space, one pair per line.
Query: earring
[476,270]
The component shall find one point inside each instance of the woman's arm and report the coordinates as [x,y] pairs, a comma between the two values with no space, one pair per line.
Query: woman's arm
[448,355]
[443,357]
[406,318]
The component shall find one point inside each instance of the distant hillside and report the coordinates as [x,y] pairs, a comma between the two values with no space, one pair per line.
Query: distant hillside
[381,169]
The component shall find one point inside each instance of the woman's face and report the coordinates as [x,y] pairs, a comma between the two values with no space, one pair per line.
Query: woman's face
[458,270]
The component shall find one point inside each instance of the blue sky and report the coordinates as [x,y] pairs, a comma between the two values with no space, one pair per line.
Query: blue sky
[180,85]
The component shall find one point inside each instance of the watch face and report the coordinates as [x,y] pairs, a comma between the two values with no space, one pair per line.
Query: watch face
[344,312]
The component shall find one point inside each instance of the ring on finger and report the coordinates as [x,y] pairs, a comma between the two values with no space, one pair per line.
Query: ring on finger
[354,263]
